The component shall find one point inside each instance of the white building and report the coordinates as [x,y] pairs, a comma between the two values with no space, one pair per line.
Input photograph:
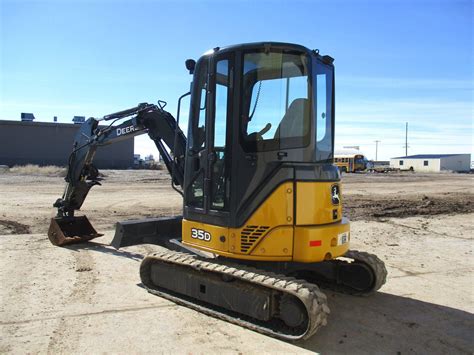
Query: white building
[433,162]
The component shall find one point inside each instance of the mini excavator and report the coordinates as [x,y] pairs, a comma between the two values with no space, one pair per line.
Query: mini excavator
[262,227]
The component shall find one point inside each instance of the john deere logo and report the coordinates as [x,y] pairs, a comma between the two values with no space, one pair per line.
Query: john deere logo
[335,195]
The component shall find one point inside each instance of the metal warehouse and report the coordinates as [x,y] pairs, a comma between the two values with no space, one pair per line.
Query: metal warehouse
[433,162]
[45,143]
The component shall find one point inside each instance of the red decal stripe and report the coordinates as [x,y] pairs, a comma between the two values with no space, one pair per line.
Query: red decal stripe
[314,243]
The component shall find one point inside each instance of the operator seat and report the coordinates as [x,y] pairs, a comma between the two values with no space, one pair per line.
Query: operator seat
[295,121]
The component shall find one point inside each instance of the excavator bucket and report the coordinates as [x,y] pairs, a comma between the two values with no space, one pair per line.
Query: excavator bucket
[71,230]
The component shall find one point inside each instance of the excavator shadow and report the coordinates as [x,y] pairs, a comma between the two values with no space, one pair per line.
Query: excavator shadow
[381,323]
[385,323]
[106,249]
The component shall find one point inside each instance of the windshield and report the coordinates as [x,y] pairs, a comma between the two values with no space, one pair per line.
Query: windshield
[275,101]
[281,103]
[323,102]
[360,159]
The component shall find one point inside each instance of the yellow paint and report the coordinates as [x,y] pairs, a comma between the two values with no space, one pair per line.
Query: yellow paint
[350,167]
[326,233]
[272,249]
[275,215]
[341,165]
[271,233]
[275,212]
[214,244]
[313,203]
[277,242]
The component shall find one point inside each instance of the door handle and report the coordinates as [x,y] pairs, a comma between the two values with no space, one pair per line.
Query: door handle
[251,157]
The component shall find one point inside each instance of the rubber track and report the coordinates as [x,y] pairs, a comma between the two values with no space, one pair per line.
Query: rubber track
[309,294]
[375,264]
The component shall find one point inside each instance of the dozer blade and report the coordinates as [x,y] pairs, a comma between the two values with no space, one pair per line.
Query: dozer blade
[71,230]
[157,231]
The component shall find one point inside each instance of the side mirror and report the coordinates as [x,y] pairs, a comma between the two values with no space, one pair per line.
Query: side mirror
[190,65]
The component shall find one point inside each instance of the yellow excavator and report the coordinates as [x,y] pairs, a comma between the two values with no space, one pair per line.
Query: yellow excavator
[262,226]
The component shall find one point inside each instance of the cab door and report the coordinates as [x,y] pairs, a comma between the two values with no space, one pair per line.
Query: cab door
[197,145]
[207,192]
[219,167]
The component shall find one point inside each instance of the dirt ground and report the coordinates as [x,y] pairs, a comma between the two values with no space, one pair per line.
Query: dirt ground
[88,298]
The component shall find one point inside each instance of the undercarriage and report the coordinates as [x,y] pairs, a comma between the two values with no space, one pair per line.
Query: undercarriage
[281,299]
[287,305]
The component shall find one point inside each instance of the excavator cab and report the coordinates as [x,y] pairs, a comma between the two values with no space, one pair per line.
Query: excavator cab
[259,155]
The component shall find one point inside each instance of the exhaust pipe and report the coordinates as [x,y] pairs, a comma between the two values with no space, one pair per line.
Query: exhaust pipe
[71,230]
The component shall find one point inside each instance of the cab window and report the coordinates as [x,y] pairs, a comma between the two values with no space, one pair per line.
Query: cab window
[275,101]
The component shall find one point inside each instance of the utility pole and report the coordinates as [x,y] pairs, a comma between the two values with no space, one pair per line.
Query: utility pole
[376,149]
[406,139]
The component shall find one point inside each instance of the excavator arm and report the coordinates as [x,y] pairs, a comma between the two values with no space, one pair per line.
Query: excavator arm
[82,175]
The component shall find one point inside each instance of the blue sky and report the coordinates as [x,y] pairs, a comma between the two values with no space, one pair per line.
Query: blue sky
[396,61]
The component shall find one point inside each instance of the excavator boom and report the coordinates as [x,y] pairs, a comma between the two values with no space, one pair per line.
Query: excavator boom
[82,175]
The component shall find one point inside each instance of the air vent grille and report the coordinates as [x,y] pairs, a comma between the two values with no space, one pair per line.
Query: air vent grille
[250,235]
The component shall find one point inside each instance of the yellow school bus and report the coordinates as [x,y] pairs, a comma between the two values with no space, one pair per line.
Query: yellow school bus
[350,163]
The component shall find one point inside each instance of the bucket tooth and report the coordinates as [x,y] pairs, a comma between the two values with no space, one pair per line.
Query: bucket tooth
[71,230]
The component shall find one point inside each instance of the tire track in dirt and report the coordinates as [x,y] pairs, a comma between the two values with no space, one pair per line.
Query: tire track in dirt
[67,332]
[92,314]
[423,229]
[83,289]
